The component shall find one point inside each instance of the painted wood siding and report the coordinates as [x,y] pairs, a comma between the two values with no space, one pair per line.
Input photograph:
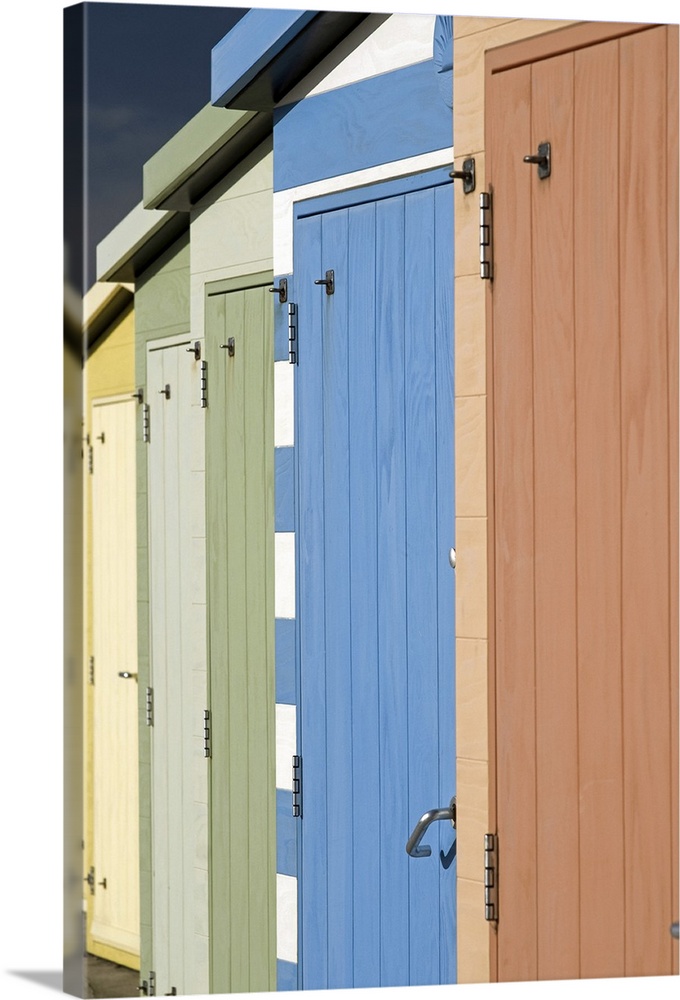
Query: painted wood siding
[240,522]
[108,371]
[178,674]
[161,309]
[584,342]
[114,907]
[473,36]
[375,469]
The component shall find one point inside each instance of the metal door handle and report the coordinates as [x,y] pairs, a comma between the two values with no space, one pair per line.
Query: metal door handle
[412,845]
[126,675]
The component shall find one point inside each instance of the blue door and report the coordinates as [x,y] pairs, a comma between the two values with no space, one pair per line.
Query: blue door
[374,396]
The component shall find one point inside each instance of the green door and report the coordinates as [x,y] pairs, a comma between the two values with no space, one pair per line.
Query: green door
[240,532]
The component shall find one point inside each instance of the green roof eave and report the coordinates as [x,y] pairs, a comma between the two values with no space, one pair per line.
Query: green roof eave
[199,155]
[136,242]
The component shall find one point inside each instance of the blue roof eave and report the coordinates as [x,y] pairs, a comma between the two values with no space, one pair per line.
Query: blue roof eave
[268,51]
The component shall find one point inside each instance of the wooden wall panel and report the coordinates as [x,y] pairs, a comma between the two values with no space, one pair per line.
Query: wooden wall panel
[672,292]
[109,371]
[149,319]
[240,512]
[557,789]
[601,472]
[508,115]
[645,500]
[113,911]
[598,498]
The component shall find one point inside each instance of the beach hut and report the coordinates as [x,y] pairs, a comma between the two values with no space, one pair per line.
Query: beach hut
[218,169]
[200,250]
[567,498]
[364,598]
[111,854]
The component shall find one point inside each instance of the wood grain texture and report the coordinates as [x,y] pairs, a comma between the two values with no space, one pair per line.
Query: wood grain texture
[375,464]
[148,326]
[673,291]
[469,89]
[423,124]
[240,516]
[598,379]
[113,911]
[364,562]
[645,500]
[108,378]
[555,520]
[312,919]
[598,508]
[178,674]
[509,125]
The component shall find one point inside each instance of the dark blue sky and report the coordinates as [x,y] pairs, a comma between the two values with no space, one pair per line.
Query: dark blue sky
[147,71]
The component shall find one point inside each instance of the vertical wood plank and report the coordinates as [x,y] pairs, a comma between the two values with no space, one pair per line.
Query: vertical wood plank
[445,538]
[159,667]
[114,912]
[173,702]
[419,377]
[193,675]
[555,522]
[599,556]
[237,612]
[364,583]
[337,579]
[645,500]
[509,138]
[371,732]
[391,278]
[216,528]
[259,444]
[673,424]
[313,920]
[269,616]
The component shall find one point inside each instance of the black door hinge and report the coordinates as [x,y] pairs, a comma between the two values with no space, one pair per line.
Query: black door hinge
[297,785]
[292,333]
[490,876]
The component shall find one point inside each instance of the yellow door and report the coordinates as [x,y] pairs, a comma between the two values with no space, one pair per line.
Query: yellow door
[113,907]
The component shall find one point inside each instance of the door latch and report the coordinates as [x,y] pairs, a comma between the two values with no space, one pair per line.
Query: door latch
[328,281]
[90,880]
[281,290]
[541,159]
[466,175]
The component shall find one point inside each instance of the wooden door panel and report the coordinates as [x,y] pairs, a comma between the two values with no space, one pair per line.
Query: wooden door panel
[598,509]
[672,292]
[509,99]
[375,398]
[645,501]
[585,474]
[114,909]
[177,675]
[554,540]
[240,504]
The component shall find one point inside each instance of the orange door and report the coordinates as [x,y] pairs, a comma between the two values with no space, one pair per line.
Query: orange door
[584,497]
